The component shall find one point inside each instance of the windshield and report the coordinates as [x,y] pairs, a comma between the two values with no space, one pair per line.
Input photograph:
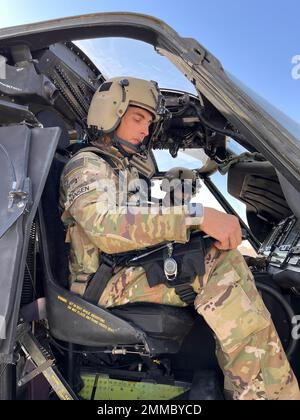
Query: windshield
[129,57]
[188,158]
[278,115]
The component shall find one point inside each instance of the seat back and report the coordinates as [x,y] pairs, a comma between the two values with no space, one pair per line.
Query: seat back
[70,317]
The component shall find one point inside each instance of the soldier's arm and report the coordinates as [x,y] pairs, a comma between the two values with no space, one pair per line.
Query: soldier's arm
[112,228]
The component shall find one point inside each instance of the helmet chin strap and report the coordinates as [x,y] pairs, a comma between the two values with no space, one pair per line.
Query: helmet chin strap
[137,149]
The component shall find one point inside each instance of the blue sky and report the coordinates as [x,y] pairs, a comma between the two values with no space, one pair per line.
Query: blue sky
[255,40]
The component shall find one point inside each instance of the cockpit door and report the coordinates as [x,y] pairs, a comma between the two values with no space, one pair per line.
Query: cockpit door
[25,158]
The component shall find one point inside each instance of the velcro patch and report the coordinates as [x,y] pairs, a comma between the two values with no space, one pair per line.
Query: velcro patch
[72,165]
[77,192]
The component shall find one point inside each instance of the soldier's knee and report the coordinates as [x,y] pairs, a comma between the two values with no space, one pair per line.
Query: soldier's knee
[231,261]
[234,254]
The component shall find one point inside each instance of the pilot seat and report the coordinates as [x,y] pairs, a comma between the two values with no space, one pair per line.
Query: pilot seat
[151,336]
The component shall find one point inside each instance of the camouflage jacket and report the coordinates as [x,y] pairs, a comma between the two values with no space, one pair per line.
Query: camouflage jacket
[93,198]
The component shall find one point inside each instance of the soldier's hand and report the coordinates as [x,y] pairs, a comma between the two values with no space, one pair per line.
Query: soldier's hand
[225,228]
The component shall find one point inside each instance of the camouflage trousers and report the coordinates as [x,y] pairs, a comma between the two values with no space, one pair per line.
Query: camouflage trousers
[248,348]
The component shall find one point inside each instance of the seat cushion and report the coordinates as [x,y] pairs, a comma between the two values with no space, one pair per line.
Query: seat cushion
[158,321]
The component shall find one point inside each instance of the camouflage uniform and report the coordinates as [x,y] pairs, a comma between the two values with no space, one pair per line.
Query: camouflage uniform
[248,348]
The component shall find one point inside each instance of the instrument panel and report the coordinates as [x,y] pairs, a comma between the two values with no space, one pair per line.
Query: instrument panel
[282,250]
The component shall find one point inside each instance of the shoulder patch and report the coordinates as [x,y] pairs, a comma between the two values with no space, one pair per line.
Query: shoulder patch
[73,165]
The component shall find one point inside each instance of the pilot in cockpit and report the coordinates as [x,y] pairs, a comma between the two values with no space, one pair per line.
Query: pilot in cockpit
[123,113]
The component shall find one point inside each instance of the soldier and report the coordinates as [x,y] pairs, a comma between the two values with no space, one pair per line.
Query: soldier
[121,114]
